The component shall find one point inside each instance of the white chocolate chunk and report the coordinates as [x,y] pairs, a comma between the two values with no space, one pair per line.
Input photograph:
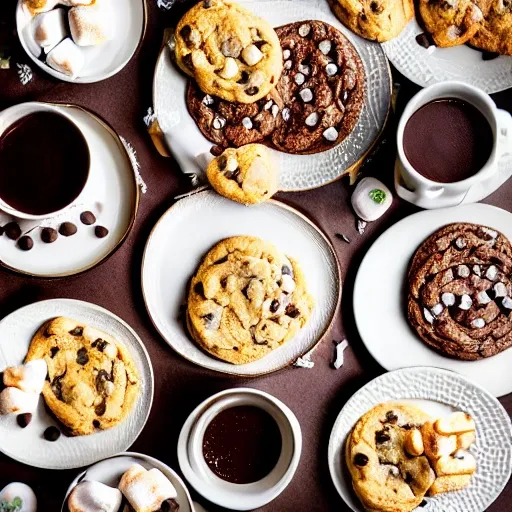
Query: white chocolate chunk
[500,290]
[448,299]
[331,134]
[307,96]
[208,100]
[483,298]
[325,46]
[286,54]
[491,232]
[251,55]
[287,283]
[312,119]
[463,271]
[331,69]
[491,273]
[465,302]
[478,323]
[476,270]
[275,110]
[67,58]
[507,302]
[219,123]
[288,64]
[230,69]
[286,114]
[247,123]
[268,105]
[304,69]
[339,354]
[371,199]
[460,243]
[437,309]
[231,164]
[299,79]
[428,316]
[304,30]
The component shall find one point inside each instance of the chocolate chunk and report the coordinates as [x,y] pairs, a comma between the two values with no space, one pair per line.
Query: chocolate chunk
[185,32]
[490,55]
[100,344]
[292,311]
[274,306]
[100,409]
[424,503]
[82,357]
[49,235]
[408,478]
[12,230]
[207,4]
[216,150]
[101,378]
[52,434]
[77,331]
[376,7]
[53,351]
[208,317]
[233,175]
[199,289]
[100,231]
[187,60]
[24,419]
[221,260]
[391,417]
[87,218]
[252,91]
[360,459]
[25,243]
[382,437]
[169,505]
[96,424]
[67,229]
[424,40]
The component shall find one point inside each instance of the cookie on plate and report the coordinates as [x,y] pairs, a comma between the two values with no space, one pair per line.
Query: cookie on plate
[246,299]
[247,175]
[385,475]
[495,31]
[376,20]
[92,379]
[460,291]
[230,52]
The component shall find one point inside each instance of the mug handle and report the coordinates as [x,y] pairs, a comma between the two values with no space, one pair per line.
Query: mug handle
[504,132]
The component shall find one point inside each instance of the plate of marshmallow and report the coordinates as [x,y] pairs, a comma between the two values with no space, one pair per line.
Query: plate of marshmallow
[81,41]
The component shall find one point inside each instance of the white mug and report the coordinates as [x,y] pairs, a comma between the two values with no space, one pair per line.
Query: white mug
[415,188]
[7,118]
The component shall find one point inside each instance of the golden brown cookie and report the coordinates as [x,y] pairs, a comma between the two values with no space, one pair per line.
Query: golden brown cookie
[231,53]
[92,379]
[246,299]
[246,175]
[495,32]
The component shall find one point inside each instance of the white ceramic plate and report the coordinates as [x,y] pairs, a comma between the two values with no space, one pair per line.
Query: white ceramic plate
[111,193]
[101,61]
[430,66]
[298,172]
[438,392]
[379,297]
[28,445]
[110,471]
[190,228]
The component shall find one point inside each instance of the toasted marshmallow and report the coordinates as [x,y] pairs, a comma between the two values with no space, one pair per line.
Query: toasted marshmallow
[21,491]
[29,377]
[49,28]
[146,490]
[37,6]
[457,423]
[449,483]
[67,58]
[92,25]
[15,401]
[94,497]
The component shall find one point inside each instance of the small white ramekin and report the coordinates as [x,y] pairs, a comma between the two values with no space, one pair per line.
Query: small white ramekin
[221,492]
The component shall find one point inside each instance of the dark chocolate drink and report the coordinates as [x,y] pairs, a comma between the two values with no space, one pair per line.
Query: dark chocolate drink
[44,163]
[448,140]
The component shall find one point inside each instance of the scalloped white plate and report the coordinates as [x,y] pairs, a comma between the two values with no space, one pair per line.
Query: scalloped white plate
[429,66]
[28,445]
[436,391]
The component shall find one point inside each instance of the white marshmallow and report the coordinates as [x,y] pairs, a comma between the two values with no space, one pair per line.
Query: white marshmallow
[49,28]
[29,377]
[367,197]
[287,283]
[251,55]
[92,25]
[67,58]
[15,401]
[230,68]
[21,491]
[94,497]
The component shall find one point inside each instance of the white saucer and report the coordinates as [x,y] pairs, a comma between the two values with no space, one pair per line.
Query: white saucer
[101,61]
[28,445]
[429,66]
[109,472]
[111,193]
[191,227]
[380,297]
[437,392]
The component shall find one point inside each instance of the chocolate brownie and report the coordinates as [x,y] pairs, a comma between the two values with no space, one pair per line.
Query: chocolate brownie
[460,291]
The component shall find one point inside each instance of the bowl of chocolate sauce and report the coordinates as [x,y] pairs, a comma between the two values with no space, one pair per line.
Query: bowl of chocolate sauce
[240,448]
[44,161]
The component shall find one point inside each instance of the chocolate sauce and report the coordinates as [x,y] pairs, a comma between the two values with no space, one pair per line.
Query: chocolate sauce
[44,163]
[448,140]
[242,444]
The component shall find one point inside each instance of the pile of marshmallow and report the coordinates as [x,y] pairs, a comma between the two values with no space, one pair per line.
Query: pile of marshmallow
[23,385]
[145,491]
[63,33]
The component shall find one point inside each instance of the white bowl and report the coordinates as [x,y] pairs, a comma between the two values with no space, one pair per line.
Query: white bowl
[226,494]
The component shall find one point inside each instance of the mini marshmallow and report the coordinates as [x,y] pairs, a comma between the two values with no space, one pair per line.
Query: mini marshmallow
[94,497]
[92,25]
[15,401]
[21,491]
[50,28]
[29,377]
[252,55]
[230,69]
[371,199]
[67,58]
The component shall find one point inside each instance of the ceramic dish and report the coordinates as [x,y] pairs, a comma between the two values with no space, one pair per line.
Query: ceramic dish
[298,172]
[191,227]
[111,193]
[427,66]
[101,61]
[437,392]
[380,297]
[28,445]
[109,472]
[226,494]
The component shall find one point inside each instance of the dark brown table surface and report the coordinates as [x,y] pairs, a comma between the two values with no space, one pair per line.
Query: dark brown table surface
[316,396]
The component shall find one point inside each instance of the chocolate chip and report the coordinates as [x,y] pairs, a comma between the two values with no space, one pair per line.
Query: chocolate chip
[185,32]
[408,478]
[292,311]
[100,344]
[67,229]
[286,271]
[252,91]
[187,60]
[382,437]
[49,235]
[424,503]
[77,331]
[216,150]
[169,505]
[101,378]
[12,230]
[376,7]
[100,231]
[25,243]
[363,17]
[244,78]
[207,4]
[52,434]
[232,175]
[96,424]
[490,55]
[87,218]
[53,351]
[274,306]
[82,357]
[424,40]
[208,317]
[221,260]
[100,409]
[24,419]
[391,417]
[199,289]
[360,459]
[57,386]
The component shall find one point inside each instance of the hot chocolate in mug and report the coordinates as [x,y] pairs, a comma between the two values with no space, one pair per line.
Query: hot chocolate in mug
[418,189]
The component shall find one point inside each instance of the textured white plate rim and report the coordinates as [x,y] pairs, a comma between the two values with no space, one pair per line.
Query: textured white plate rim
[449,215]
[151,383]
[78,79]
[106,126]
[345,488]
[135,455]
[234,373]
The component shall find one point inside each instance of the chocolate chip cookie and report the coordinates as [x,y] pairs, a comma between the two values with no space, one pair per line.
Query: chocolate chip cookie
[246,299]
[495,31]
[384,454]
[92,380]
[230,52]
[246,175]
[460,291]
